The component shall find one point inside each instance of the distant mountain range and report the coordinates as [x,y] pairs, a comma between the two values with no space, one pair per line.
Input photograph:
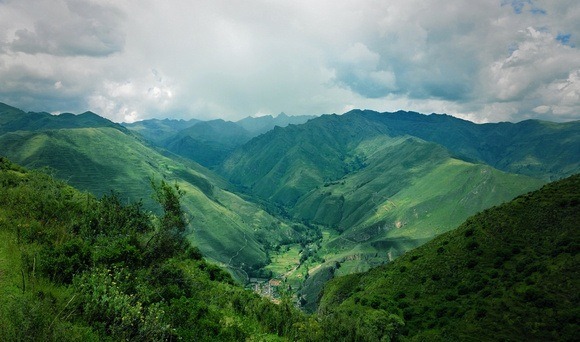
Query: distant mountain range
[303,199]
[209,142]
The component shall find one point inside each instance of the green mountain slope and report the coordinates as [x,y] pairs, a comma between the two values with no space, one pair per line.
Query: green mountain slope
[207,142]
[286,163]
[384,183]
[508,273]
[263,124]
[540,149]
[322,149]
[77,268]
[13,119]
[226,227]
[156,130]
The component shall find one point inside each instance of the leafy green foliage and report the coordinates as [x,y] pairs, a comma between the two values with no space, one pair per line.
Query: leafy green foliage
[508,273]
[110,271]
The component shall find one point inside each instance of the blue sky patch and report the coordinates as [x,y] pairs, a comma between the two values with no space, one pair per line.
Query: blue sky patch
[564,38]
[519,5]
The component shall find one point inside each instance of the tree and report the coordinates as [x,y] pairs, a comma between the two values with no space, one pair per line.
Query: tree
[169,238]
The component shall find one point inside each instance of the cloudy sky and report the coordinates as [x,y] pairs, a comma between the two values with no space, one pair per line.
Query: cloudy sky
[485,60]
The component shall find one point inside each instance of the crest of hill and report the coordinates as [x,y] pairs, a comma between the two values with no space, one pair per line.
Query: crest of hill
[209,142]
[13,119]
[540,149]
[262,124]
[508,273]
[156,130]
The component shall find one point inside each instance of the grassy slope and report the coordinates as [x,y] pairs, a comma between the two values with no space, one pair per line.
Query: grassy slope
[156,130]
[182,297]
[540,149]
[508,273]
[364,175]
[207,142]
[105,159]
[408,192]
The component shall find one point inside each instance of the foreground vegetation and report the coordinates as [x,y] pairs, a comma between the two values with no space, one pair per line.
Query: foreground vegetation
[509,273]
[73,267]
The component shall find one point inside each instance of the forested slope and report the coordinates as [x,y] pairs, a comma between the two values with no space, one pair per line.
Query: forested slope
[509,273]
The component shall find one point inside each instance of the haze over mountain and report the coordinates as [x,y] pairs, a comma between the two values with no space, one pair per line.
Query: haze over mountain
[209,142]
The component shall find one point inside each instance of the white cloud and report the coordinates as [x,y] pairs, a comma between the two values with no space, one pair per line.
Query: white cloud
[484,60]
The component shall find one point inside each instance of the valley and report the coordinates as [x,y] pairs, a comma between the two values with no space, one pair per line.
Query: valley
[300,204]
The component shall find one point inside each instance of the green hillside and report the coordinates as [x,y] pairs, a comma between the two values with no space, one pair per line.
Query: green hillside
[377,192]
[286,163]
[207,142]
[156,130]
[509,273]
[77,268]
[262,124]
[303,203]
[226,227]
[540,149]
[13,119]
[380,213]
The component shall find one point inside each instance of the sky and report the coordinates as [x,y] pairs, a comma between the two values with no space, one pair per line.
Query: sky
[485,60]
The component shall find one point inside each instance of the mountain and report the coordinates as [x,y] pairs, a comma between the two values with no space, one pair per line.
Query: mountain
[156,130]
[508,273]
[262,124]
[13,119]
[104,158]
[302,203]
[207,143]
[540,149]
[383,183]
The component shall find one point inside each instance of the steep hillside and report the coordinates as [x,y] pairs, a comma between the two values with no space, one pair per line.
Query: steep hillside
[286,163]
[262,124]
[281,157]
[156,130]
[227,228]
[77,268]
[508,273]
[207,142]
[540,149]
[13,119]
[380,184]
